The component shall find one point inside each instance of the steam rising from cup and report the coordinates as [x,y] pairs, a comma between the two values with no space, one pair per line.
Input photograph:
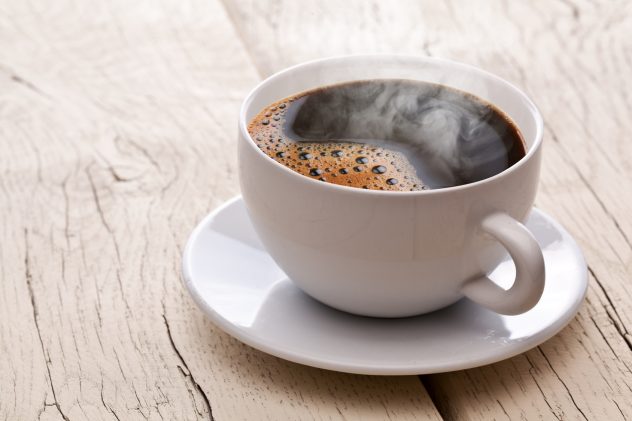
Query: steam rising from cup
[449,136]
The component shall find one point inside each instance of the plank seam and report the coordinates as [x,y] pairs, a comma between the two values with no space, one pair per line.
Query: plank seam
[241,39]
[434,398]
[618,325]
[570,395]
[188,372]
[537,384]
[29,279]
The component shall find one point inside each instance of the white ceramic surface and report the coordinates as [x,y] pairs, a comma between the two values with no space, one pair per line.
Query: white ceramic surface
[238,285]
[393,254]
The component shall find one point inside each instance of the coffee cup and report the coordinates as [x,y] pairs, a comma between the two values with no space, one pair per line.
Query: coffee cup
[397,253]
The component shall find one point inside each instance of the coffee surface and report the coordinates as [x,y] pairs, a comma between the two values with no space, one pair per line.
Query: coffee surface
[388,134]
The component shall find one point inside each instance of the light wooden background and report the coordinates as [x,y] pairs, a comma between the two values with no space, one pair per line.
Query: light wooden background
[117,134]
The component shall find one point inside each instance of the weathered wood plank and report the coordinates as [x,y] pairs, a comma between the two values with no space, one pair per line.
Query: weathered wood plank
[573,57]
[117,135]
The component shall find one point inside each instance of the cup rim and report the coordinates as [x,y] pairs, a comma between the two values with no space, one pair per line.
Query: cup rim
[535,112]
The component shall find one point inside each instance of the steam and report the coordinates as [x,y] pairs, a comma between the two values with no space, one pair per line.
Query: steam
[449,136]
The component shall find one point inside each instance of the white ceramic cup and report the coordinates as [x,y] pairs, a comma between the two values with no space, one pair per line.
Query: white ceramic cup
[395,254]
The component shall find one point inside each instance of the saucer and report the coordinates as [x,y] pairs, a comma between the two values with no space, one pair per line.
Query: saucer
[237,284]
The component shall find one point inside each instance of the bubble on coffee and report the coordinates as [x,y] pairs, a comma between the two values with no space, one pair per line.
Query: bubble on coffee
[389,134]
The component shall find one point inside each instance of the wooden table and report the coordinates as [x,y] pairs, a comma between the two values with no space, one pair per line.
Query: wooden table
[118,131]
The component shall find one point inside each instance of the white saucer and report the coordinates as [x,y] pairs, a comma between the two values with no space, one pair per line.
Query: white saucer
[238,285]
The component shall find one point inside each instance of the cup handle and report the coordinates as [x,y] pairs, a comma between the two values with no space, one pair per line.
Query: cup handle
[527,256]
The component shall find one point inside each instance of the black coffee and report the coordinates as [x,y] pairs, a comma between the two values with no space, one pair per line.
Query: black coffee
[389,134]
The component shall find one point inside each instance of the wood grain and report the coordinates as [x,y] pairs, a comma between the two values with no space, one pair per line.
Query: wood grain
[117,132]
[574,58]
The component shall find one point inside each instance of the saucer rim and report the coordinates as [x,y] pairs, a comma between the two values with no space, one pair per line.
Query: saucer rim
[427,367]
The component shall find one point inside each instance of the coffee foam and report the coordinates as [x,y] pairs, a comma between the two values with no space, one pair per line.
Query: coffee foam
[351,164]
